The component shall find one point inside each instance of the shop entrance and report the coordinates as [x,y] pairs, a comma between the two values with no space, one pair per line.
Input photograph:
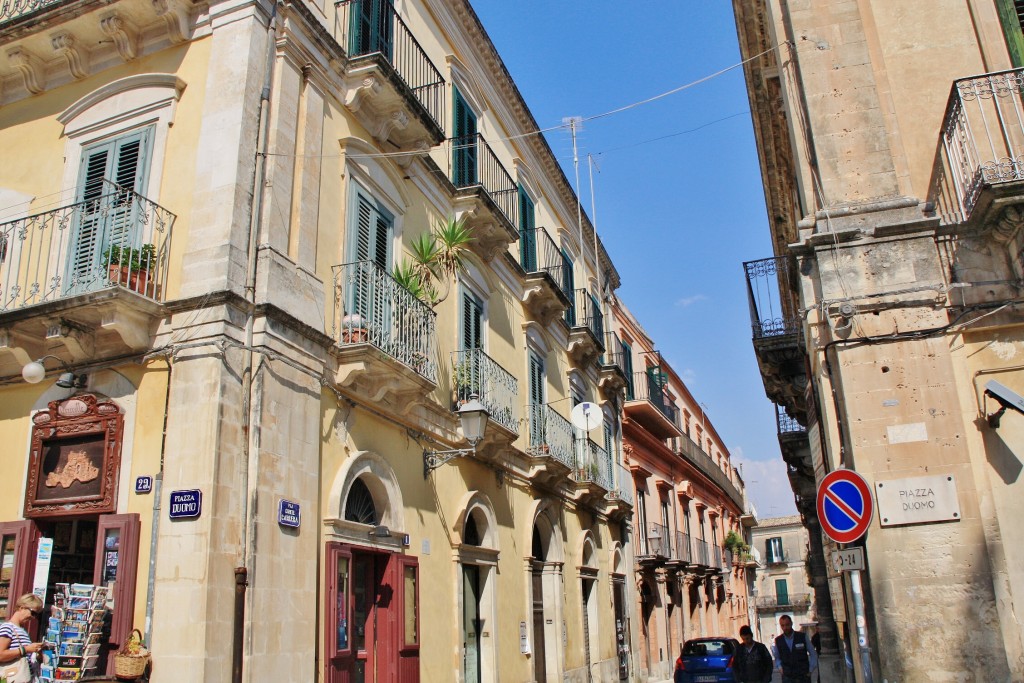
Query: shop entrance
[74,551]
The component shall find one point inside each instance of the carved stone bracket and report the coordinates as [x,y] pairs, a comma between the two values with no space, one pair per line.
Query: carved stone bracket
[66,46]
[133,327]
[80,343]
[175,14]
[378,378]
[359,94]
[19,346]
[122,33]
[582,347]
[31,68]
[390,122]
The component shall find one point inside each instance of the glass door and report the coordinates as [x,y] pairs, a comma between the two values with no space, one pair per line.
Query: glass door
[470,624]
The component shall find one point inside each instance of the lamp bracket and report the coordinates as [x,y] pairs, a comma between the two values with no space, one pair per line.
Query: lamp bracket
[434,459]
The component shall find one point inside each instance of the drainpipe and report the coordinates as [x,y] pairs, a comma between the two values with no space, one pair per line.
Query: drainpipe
[250,460]
[155,526]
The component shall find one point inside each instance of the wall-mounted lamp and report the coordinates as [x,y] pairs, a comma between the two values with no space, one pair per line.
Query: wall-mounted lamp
[473,416]
[380,531]
[34,372]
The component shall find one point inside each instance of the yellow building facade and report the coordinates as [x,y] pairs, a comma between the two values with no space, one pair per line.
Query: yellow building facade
[237,412]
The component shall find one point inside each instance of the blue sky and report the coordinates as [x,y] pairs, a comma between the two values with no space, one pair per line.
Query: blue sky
[678,214]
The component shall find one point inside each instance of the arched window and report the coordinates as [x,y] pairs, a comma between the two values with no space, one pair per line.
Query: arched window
[359,507]
[471,535]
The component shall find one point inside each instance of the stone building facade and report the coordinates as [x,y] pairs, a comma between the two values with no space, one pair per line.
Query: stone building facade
[888,323]
[783,585]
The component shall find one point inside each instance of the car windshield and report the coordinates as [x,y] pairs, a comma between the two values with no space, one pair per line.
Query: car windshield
[708,648]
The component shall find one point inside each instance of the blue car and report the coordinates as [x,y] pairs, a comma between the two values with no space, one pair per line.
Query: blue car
[706,660]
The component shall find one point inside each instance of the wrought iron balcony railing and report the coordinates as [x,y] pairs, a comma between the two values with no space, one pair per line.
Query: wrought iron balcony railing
[657,541]
[538,253]
[703,553]
[646,387]
[593,464]
[372,308]
[612,351]
[474,372]
[796,600]
[787,424]
[981,143]
[475,164]
[551,435]
[367,27]
[14,9]
[117,239]
[773,305]
[682,550]
[585,311]
[703,462]
[624,485]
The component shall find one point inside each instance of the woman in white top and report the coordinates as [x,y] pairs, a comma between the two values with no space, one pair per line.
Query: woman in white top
[15,642]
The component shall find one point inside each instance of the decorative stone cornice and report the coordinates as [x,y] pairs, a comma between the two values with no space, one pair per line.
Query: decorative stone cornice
[123,33]
[175,14]
[30,67]
[65,45]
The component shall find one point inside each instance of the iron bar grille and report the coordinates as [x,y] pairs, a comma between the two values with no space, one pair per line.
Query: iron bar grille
[658,542]
[773,304]
[475,164]
[474,372]
[593,464]
[682,548]
[784,601]
[117,239]
[703,462]
[372,308]
[703,553]
[541,254]
[787,424]
[373,27]
[551,435]
[14,9]
[646,387]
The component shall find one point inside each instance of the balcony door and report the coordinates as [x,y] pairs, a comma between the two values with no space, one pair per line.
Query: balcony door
[371,28]
[527,233]
[470,373]
[781,591]
[464,150]
[538,416]
[108,212]
[569,287]
[371,249]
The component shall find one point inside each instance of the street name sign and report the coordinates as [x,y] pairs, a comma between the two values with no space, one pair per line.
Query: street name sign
[288,514]
[844,506]
[917,500]
[848,560]
[186,504]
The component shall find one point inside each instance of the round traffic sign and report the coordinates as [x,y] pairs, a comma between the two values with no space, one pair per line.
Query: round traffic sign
[844,506]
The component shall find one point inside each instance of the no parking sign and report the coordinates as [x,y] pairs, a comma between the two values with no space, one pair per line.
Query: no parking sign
[844,506]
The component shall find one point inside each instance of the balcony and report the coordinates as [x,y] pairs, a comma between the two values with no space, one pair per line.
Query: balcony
[93,272]
[647,404]
[979,164]
[796,601]
[793,443]
[693,453]
[655,545]
[612,380]
[586,328]
[620,499]
[593,472]
[485,195]
[541,258]
[772,286]
[392,87]
[702,555]
[682,552]
[551,452]
[385,337]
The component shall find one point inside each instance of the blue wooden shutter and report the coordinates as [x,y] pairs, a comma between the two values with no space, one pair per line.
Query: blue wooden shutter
[464,151]
[527,233]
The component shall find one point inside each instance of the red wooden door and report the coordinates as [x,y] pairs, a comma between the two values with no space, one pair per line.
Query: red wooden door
[117,563]
[18,544]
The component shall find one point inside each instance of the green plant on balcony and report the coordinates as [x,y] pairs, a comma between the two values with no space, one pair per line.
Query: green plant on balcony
[735,544]
[437,259]
[129,266]
[466,377]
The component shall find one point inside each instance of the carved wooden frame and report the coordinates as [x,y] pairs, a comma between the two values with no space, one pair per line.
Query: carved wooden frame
[80,415]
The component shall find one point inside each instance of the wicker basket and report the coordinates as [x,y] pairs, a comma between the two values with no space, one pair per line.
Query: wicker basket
[130,666]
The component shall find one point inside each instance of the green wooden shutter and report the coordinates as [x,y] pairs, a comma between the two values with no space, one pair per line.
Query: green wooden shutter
[371,245]
[627,369]
[527,232]
[370,28]
[538,429]
[1010,12]
[464,151]
[569,287]
[472,322]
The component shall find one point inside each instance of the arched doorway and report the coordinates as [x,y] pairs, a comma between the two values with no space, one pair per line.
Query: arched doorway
[477,552]
[546,596]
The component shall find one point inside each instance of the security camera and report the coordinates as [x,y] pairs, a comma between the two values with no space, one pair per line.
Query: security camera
[1006,397]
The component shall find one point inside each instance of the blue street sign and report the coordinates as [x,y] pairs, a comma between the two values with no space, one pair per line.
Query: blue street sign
[288,514]
[143,484]
[186,504]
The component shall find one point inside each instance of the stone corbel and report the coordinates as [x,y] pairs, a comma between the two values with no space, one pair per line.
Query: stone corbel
[417,150]
[396,120]
[32,72]
[357,95]
[122,33]
[537,299]
[175,14]
[64,44]
[131,326]
[20,346]
[79,343]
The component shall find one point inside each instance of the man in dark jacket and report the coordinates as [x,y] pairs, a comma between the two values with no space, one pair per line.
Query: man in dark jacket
[794,653]
[753,662]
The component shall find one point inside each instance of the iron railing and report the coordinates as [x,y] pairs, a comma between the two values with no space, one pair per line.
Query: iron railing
[682,550]
[982,141]
[773,306]
[372,308]
[117,239]
[475,164]
[585,311]
[703,554]
[646,387]
[14,9]
[703,462]
[593,464]
[796,600]
[623,485]
[551,435]
[474,372]
[368,27]
[538,253]
[612,351]
[657,541]
[787,424]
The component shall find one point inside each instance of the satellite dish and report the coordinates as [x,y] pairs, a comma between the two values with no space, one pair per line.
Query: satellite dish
[587,416]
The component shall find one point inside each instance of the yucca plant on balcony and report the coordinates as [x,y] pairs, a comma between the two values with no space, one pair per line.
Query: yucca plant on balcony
[437,259]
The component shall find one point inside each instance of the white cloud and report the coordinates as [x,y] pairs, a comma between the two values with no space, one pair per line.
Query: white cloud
[689,300]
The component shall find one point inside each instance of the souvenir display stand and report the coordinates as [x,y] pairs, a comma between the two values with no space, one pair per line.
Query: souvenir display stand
[74,631]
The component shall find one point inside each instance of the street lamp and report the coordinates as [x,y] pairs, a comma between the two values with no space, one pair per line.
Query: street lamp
[473,417]
[34,372]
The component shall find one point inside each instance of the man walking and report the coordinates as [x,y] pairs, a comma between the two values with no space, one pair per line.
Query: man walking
[753,663]
[794,654]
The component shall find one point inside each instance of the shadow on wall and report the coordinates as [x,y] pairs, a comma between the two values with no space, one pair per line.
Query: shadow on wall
[997,449]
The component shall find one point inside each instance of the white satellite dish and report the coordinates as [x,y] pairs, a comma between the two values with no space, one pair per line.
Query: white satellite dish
[587,416]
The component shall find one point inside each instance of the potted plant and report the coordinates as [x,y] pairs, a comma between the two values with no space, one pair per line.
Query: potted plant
[129,266]
[467,381]
[353,329]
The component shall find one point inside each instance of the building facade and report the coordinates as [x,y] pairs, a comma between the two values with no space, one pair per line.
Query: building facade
[887,323]
[223,261]
[783,585]
[689,499]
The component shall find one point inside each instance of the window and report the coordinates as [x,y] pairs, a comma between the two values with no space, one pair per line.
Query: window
[641,507]
[569,288]
[464,151]
[782,591]
[370,28]
[371,252]
[472,322]
[664,514]
[536,397]
[773,549]
[527,233]
[627,369]
[410,603]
